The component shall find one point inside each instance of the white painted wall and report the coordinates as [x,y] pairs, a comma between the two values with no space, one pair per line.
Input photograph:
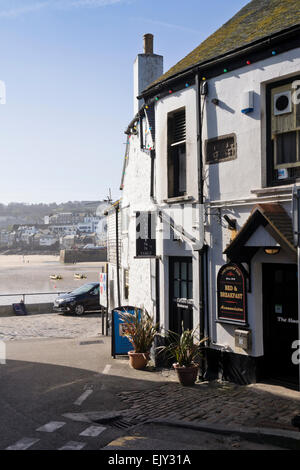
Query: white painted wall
[236,178]
[227,181]
[146,69]
[234,181]
[136,197]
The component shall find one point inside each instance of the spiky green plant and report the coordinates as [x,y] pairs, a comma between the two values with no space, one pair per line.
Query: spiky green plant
[182,347]
[139,329]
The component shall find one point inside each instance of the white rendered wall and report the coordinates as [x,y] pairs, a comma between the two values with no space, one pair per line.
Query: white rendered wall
[147,68]
[136,197]
[236,178]
[226,181]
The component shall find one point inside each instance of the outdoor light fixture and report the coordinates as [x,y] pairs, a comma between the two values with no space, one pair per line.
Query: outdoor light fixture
[272,250]
[231,222]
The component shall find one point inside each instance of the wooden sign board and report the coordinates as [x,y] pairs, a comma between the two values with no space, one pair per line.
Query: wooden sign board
[145,235]
[232,294]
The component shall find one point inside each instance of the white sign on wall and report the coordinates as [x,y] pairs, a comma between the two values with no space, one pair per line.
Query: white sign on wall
[103,289]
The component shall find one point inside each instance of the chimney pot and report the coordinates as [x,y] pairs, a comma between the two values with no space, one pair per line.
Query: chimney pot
[148,43]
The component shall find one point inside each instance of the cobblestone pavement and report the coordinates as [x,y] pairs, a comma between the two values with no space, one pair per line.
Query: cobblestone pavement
[220,403]
[50,325]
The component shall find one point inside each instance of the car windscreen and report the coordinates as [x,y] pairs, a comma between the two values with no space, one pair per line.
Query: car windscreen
[83,289]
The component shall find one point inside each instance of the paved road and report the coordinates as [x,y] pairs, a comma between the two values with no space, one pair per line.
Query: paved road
[55,393]
[44,380]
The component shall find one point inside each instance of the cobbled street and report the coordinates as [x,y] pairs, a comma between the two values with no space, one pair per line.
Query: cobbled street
[50,325]
[215,403]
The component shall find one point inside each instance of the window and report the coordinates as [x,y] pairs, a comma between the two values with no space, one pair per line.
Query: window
[176,154]
[283,133]
[286,149]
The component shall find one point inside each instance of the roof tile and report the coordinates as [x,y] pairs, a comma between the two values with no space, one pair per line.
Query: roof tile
[258,19]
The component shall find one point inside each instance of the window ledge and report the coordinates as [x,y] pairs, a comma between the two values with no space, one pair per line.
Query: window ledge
[174,200]
[283,189]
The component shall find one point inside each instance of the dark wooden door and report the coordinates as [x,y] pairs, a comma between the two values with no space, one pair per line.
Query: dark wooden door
[280,310]
[181,294]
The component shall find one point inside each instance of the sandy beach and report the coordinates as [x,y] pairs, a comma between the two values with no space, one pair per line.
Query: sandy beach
[31,274]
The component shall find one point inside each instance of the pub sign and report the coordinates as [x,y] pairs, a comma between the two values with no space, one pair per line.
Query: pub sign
[232,294]
[145,234]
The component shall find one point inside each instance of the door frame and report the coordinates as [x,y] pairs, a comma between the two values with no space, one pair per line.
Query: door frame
[172,261]
[266,325]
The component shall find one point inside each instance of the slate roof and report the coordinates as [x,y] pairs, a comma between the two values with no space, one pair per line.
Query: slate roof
[279,220]
[257,20]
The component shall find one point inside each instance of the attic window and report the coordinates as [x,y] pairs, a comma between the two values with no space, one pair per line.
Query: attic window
[177,154]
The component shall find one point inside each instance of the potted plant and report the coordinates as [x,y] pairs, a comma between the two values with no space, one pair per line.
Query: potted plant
[183,349]
[141,331]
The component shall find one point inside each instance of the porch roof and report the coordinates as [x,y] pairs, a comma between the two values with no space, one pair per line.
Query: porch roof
[275,221]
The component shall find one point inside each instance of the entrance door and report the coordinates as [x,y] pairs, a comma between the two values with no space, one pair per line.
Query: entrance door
[280,310]
[181,294]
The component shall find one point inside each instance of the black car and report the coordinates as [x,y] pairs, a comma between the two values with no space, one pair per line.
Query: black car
[79,300]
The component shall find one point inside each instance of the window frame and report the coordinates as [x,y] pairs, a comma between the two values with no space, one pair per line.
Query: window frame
[173,157]
[270,148]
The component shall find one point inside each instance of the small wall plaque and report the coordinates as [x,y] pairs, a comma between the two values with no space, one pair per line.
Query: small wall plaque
[220,149]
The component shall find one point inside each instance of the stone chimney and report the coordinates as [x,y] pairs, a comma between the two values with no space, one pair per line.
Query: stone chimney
[148,43]
[147,68]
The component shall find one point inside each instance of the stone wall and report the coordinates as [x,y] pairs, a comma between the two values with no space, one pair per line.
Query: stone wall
[81,256]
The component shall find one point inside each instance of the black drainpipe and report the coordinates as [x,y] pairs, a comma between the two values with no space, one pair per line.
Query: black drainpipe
[117,255]
[202,252]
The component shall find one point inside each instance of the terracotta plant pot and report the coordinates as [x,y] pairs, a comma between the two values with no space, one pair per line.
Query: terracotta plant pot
[186,375]
[138,360]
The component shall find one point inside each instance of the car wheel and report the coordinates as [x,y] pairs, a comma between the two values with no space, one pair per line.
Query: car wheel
[79,309]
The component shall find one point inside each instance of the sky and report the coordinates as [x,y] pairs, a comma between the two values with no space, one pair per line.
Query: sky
[67,66]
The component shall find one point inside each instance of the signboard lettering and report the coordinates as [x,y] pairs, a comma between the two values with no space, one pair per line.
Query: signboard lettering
[145,234]
[232,301]
[221,148]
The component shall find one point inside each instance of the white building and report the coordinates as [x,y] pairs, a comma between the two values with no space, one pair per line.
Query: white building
[63,229]
[214,151]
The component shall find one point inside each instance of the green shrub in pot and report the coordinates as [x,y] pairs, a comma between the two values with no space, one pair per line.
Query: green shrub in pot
[185,348]
[140,330]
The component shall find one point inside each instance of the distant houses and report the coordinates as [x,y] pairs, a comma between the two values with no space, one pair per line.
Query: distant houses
[66,230]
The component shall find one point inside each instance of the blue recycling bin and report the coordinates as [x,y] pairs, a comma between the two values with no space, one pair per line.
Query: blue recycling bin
[120,344]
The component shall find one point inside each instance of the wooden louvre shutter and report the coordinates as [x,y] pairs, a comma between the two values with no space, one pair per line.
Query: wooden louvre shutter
[179,127]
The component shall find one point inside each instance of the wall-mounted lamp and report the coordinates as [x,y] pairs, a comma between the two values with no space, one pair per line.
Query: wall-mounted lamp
[274,250]
[231,226]
[231,222]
